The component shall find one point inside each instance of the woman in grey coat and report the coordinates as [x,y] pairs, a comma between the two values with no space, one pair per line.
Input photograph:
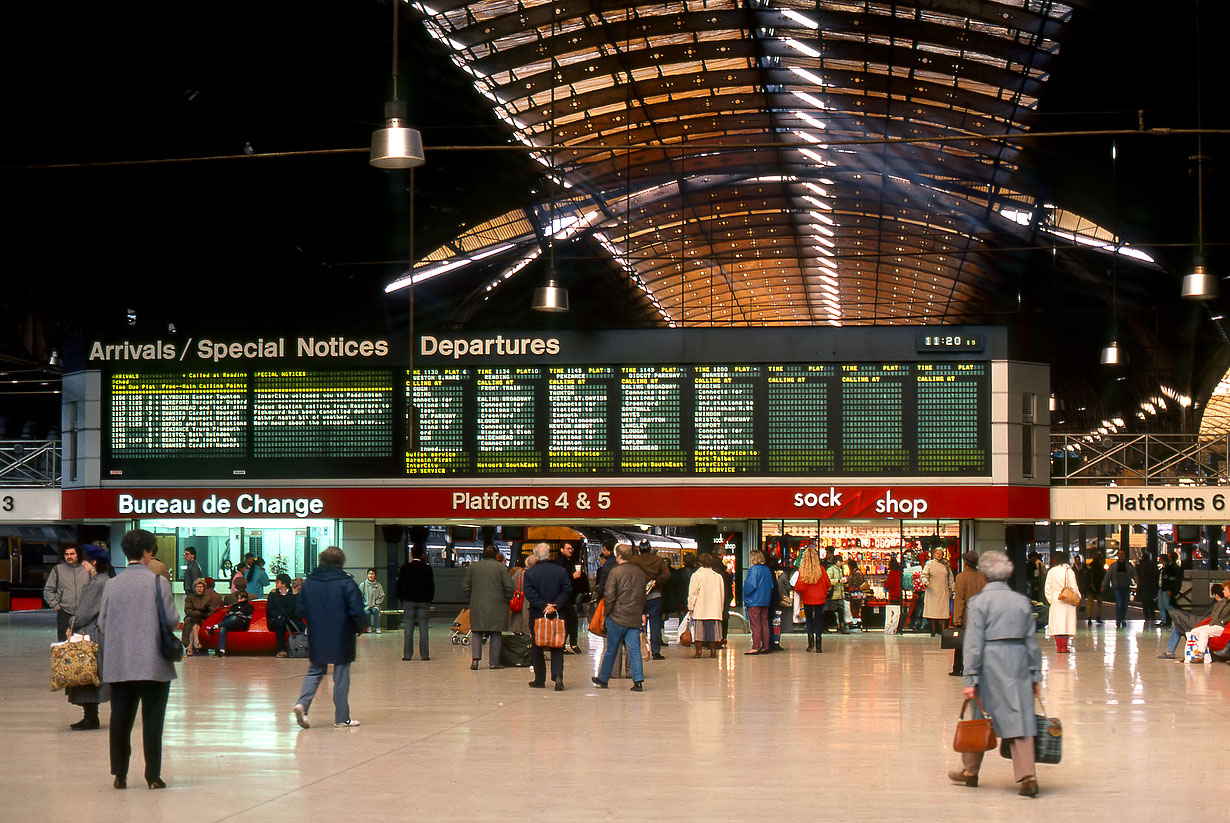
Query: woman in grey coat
[134,604]
[97,562]
[488,587]
[1003,668]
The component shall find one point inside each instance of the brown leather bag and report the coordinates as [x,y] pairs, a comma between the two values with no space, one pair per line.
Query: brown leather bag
[976,735]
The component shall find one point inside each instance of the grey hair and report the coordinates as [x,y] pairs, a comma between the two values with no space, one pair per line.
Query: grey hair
[542,551]
[995,565]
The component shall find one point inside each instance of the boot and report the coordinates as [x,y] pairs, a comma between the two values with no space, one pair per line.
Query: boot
[700,647]
[811,642]
[90,719]
[820,644]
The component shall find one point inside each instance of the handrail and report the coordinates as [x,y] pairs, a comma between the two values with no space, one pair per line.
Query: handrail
[33,463]
[1139,460]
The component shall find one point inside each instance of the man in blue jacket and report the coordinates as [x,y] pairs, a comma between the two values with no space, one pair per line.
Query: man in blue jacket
[330,601]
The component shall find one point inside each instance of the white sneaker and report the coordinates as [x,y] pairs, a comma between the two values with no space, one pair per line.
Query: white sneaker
[379,631]
[348,724]
[301,716]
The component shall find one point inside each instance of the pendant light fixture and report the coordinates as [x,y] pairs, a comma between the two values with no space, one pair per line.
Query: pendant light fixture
[396,146]
[1112,355]
[1199,284]
[551,297]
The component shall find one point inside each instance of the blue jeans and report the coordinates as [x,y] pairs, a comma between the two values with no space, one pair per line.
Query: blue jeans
[341,689]
[1122,597]
[653,608]
[1176,637]
[373,617]
[233,623]
[615,636]
[1163,606]
[414,616]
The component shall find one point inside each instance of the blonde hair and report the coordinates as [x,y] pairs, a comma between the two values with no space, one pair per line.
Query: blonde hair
[756,556]
[810,567]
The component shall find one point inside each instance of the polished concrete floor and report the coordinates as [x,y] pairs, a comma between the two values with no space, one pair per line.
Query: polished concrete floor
[862,732]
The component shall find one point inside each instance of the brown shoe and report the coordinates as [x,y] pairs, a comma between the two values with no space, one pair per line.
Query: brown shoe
[1029,787]
[961,776]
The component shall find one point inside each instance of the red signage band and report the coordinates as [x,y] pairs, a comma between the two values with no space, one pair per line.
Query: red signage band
[597,501]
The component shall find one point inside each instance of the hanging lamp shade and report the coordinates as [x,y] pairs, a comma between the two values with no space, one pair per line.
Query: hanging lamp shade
[1112,355]
[1199,285]
[550,297]
[395,146]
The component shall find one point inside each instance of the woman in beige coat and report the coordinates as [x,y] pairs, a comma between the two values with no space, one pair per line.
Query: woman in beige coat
[705,596]
[940,583]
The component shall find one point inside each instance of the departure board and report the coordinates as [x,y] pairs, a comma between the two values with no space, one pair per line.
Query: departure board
[651,420]
[437,399]
[506,413]
[725,417]
[578,409]
[852,418]
[797,409]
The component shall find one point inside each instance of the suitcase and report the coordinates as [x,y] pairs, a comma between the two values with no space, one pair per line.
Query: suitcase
[298,645]
[515,650]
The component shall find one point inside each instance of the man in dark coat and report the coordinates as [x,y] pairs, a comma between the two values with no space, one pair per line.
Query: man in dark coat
[658,573]
[547,590]
[333,608]
[625,599]
[488,587]
[416,588]
[192,572]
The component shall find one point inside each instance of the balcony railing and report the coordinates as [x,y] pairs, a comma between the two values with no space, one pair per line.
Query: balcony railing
[1139,460]
[34,463]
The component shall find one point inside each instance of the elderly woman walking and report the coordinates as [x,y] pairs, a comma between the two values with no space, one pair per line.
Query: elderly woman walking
[1002,668]
[97,562]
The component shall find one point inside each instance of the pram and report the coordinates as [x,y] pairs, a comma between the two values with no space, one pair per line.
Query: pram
[461,629]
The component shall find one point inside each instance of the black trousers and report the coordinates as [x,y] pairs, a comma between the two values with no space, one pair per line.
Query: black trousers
[569,613]
[126,695]
[63,619]
[540,663]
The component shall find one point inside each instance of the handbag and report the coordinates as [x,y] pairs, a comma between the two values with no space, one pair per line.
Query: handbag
[952,637]
[74,663]
[169,644]
[1048,738]
[976,735]
[549,632]
[1068,594]
[597,622]
[518,599]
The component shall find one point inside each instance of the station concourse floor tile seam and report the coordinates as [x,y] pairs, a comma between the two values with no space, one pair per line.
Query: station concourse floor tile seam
[867,726]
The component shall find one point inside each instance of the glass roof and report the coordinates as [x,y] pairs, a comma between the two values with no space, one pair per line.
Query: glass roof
[771,161]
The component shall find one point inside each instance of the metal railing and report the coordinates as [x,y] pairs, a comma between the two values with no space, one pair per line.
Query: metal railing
[34,463]
[1139,460]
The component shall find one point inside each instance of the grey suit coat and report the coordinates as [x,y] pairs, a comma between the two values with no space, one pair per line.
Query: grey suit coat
[1002,658]
[128,625]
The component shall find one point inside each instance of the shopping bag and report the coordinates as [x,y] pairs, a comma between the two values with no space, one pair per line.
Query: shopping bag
[74,663]
[549,632]
[597,622]
[1191,652]
[1048,738]
[685,630]
[892,618]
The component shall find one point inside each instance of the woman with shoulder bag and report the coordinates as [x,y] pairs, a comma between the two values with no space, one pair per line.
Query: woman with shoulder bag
[1002,671]
[1062,592]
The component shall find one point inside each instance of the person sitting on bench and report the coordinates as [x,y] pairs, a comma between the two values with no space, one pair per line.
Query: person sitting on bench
[1183,621]
[1216,625]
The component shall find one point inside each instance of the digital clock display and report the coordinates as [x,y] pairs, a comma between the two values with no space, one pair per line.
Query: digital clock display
[949,341]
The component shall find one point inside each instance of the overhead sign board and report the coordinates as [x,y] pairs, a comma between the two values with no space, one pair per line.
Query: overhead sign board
[23,505]
[1141,504]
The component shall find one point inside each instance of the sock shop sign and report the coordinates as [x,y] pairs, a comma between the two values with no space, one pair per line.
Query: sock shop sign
[579,502]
